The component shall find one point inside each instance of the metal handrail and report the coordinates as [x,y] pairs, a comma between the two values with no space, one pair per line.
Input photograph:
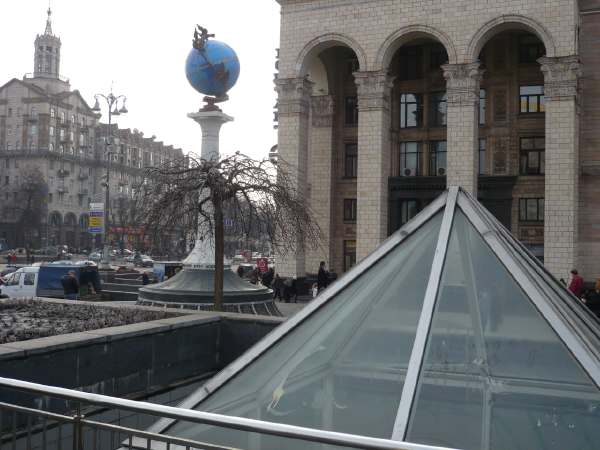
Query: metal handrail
[219,420]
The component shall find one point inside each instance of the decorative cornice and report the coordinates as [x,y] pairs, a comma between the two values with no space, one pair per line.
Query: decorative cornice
[322,111]
[561,76]
[293,95]
[373,89]
[462,83]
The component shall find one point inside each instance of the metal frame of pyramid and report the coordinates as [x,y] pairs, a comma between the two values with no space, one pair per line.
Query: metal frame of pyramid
[573,323]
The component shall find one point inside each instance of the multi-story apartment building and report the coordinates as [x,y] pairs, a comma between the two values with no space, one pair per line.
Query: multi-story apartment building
[383,104]
[47,128]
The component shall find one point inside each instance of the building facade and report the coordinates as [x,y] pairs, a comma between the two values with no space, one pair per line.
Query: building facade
[382,104]
[49,130]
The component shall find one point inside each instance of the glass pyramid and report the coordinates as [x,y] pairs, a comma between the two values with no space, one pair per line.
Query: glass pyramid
[449,335]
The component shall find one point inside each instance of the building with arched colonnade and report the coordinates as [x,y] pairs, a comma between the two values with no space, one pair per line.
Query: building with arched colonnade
[382,104]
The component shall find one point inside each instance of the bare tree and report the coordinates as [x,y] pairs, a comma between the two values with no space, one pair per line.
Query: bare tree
[254,194]
[28,206]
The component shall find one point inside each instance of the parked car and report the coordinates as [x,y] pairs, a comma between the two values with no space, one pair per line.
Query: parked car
[143,261]
[95,256]
[45,280]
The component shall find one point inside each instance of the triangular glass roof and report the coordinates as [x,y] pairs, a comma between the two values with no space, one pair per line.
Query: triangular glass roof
[450,334]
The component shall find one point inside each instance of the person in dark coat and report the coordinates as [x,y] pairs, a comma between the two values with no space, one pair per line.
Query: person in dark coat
[70,286]
[145,278]
[278,288]
[267,278]
[322,277]
[240,271]
[592,298]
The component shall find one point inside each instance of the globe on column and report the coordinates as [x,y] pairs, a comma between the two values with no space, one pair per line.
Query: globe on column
[212,67]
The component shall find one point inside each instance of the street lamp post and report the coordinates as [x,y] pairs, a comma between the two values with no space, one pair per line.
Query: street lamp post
[113,102]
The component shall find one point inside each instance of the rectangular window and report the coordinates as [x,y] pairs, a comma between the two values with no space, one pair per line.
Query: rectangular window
[50,197]
[410,64]
[29,279]
[410,110]
[437,57]
[437,158]
[482,94]
[482,158]
[530,49]
[350,210]
[533,156]
[531,209]
[531,99]
[351,111]
[52,113]
[410,157]
[9,131]
[349,254]
[51,130]
[6,180]
[62,134]
[437,109]
[351,161]
[408,210]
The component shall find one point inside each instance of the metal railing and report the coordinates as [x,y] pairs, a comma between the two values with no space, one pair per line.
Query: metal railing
[32,428]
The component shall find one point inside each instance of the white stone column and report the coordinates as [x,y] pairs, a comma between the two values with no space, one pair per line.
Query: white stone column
[374,92]
[293,112]
[320,175]
[561,83]
[203,254]
[462,90]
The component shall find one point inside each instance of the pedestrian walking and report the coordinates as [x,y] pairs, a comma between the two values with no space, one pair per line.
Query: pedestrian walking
[70,286]
[278,288]
[322,277]
[240,271]
[592,298]
[576,285]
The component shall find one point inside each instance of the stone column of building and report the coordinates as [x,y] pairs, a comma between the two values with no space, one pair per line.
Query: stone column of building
[293,113]
[320,176]
[374,91]
[462,91]
[561,79]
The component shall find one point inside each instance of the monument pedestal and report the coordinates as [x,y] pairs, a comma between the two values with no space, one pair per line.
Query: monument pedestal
[193,287]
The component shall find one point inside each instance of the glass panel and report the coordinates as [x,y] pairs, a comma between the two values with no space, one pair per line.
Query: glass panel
[532,209]
[495,375]
[532,90]
[343,368]
[534,162]
[411,115]
[533,104]
[526,143]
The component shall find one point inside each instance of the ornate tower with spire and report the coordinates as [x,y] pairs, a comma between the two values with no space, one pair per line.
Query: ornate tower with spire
[47,52]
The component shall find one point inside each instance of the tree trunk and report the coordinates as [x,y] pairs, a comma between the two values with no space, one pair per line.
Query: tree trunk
[219,254]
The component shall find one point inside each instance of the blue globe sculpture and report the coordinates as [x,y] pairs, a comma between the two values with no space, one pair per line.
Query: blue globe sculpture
[213,69]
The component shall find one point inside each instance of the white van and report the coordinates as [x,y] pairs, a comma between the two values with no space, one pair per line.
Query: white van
[22,283]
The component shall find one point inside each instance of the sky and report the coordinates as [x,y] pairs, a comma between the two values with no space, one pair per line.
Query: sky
[140,48]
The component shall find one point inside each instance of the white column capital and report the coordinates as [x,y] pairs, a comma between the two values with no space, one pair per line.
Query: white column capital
[462,83]
[373,89]
[293,95]
[561,76]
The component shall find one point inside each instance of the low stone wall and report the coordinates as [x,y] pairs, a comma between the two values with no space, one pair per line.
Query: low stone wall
[130,360]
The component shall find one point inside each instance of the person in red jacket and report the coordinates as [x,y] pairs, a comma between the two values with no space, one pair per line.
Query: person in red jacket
[576,286]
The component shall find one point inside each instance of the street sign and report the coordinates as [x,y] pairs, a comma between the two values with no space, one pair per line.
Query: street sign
[96,222]
[96,206]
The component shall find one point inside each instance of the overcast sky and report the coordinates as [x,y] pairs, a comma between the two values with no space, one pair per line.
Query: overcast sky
[141,46]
